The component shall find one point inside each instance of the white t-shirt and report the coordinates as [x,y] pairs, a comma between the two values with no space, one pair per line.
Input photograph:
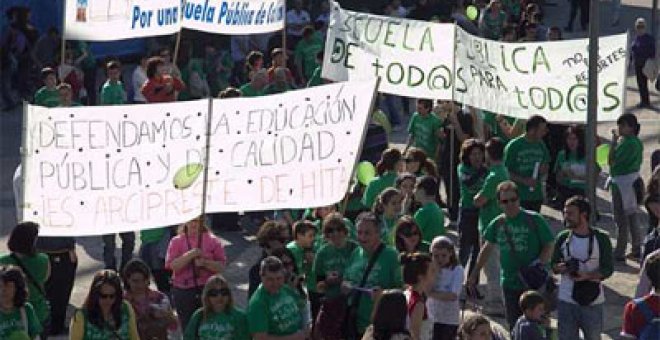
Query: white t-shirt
[580,250]
[138,79]
[446,312]
[294,17]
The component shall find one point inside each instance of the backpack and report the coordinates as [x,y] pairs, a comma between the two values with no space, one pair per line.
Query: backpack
[651,329]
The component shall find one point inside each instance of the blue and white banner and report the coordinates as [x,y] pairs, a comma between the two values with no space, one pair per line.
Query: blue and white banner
[234,17]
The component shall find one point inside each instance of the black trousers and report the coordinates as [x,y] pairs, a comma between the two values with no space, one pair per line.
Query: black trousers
[127,247]
[58,288]
[642,83]
[583,5]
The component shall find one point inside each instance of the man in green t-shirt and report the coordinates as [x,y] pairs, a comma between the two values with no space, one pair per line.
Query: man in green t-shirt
[48,95]
[425,129]
[489,209]
[275,309]
[527,158]
[305,54]
[523,238]
[430,218]
[385,273]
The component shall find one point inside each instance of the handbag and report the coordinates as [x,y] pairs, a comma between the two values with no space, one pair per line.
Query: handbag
[650,69]
[351,315]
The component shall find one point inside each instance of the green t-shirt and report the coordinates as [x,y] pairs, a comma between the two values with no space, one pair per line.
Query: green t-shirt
[470,182]
[37,265]
[274,88]
[386,274]
[152,235]
[275,314]
[93,332]
[572,162]
[387,226]
[248,91]
[496,175]
[528,238]
[195,65]
[90,61]
[12,322]
[113,93]
[301,266]
[431,221]
[520,157]
[490,120]
[332,259]
[47,98]
[376,186]
[423,130]
[627,156]
[305,52]
[315,79]
[230,325]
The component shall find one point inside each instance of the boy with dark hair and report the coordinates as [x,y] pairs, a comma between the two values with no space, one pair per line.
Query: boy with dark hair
[48,95]
[302,248]
[640,315]
[425,129]
[112,92]
[532,325]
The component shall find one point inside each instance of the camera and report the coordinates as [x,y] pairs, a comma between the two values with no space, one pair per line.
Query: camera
[572,266]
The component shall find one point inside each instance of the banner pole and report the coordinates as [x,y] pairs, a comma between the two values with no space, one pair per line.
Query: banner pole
[592,105]
[20,205]
[452,131]
[372,105]
[175,56]
[284,49]
[207,152]
[63,42]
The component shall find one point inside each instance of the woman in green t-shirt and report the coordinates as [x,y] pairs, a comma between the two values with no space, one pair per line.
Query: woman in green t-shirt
[408,237]
[625,160]
[218,318]
[17,317]
[472,173]
[388,210]
[105,314]
[35,266]
[418,163]
[405,182]
[571,165]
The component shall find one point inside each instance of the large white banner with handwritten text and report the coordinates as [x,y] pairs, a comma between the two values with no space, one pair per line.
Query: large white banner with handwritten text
[108,169]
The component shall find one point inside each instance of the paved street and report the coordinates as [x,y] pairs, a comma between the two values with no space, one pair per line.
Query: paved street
[242,251]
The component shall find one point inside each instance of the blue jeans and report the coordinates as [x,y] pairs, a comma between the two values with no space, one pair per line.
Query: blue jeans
[391,105]
[571,318]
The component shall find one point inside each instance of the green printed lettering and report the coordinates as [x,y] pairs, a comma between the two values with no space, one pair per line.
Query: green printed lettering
[611,96]
[427,39]
[540,60]
[519,93]
[388,34]
[513,56]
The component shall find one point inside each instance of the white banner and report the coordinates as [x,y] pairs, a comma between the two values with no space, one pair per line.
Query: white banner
[413,58]
[294,150]
[108,169]
[546,78]
[104,20]
[234,17]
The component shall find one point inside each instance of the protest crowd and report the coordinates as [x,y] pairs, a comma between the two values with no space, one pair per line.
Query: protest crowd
[381,264]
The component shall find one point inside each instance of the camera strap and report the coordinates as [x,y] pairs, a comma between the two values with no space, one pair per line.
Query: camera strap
[567,244]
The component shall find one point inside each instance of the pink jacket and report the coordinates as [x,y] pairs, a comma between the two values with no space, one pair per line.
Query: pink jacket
[212,249]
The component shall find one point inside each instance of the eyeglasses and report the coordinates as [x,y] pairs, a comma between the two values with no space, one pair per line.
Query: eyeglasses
[329,231]
[217,292]
[509,200]
[409,233]
[107,296]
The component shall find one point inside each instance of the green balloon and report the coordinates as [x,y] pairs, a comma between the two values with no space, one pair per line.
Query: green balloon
[365,172]
[472,12]
[602,154]
[187,175]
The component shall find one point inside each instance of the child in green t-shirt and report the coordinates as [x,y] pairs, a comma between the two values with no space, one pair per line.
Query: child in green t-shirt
[48,95]
[113,92]
[424,129]
[429,218]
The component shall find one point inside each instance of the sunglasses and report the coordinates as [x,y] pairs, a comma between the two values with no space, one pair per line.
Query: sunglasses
[107,296]
[217,292]
[510,200]
[409,160]
[409,233]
